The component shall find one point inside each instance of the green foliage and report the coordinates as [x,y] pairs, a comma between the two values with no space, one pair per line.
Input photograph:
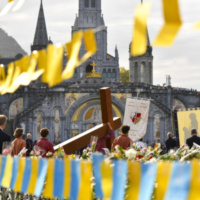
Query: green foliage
[124,74]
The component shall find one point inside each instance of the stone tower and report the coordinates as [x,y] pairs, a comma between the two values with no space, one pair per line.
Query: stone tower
[141,67]
[41,38]
[90,16]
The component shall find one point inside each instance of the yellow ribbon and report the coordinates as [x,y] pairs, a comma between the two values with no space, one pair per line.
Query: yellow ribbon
[8,80]
[85,191]
[12,87]
[48,188]
[172,23]
[107,179]
[90,46]
[27,66]
[134,175]
[2,74]
[139,41]
[195,181]
[73,48]
[67,178]
[54,64]
[42,64]
[8,172]
[163,177]
[34,175]
[21,167]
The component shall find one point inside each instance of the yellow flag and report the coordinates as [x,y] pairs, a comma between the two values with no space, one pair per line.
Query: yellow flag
[34,175]
[195,181]
[163,177]
[48,188]
[85,191]
[90,45]
[67,178]
[54,63]
[20,174]
[33,75]
[172,24]
[8,172]
[107,179]
[134,171]
[74,47]
[8,80]
[17,72]
[42,64]
[139,41]
[2,74]
[27,66]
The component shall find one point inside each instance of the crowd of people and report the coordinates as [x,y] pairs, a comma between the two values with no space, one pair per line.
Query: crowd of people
[45,146]
[18,144]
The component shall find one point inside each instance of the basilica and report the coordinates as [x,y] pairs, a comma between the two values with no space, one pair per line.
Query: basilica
[73,106]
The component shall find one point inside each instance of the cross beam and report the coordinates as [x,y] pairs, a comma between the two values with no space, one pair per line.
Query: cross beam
[83,139]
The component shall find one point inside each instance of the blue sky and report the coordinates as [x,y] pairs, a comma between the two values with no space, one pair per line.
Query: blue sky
[181,60]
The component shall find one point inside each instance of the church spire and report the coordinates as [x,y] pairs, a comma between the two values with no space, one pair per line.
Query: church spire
[41,37]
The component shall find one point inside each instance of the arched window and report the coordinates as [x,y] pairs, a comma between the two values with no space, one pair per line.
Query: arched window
[113,73]
[86,3]
[104,74]
[157,126]
[93,3]
[135,72]
[142,71]
[89,69]
[109,73]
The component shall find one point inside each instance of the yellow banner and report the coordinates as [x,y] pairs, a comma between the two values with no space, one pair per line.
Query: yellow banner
[107,179]
[8,172]
[187,120]
[134,171]
[48,188]
[85,191]
[163,177]
[195,181]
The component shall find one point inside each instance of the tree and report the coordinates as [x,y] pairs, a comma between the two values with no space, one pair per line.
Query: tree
[124,74]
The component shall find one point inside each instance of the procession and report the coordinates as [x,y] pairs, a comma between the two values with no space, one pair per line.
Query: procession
[80,123]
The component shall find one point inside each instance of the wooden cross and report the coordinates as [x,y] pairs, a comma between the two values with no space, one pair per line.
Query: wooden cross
[83,139]
[93,65]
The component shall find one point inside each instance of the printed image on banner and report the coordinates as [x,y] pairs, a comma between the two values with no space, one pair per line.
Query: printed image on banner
[187,120]
[136,116]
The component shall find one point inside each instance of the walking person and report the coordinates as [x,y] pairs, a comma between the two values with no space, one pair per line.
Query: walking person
[123,141]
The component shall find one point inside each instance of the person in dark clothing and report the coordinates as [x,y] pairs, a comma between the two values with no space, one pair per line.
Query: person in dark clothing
[170,142]
[3,136]
[193,139]
[29,144]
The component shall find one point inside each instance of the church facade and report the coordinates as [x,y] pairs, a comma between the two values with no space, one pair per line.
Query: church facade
[73,106]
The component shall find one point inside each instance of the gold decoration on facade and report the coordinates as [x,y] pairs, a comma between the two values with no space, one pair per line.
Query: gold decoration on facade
[93,74]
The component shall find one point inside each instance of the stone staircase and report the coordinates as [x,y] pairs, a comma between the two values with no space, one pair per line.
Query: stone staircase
[24,114]
[161,106]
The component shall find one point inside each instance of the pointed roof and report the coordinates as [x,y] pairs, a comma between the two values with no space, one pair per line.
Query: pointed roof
[41,37]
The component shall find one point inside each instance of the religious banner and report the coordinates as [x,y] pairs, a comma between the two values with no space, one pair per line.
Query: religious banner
[136,116]
[187,120]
